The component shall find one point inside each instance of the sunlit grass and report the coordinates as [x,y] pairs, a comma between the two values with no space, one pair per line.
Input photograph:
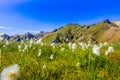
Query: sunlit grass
[63,65]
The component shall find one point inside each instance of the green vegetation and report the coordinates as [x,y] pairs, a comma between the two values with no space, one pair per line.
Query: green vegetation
[66,64]
[84,33]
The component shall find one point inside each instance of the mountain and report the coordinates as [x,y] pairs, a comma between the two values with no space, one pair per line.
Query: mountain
[19,37]
[4,37]
[26,36]
[99,32]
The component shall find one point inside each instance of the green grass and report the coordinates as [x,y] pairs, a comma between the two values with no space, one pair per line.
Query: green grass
[63,66]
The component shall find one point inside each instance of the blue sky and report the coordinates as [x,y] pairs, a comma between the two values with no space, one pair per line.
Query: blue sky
[21,16]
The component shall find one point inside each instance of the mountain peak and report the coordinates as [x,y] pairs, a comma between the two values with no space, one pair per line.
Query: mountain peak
[106,21]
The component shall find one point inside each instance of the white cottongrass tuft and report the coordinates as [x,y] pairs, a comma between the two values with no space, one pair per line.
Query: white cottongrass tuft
[52,44]
[4,46]
[31,42]
[70,45]
[7,43]
[44,66]
[77,65]
[39,41]
[106,52]
[10,72]
[101,45]
[26,47]
[96,50]
[110,49]
[39,54]
[62,49]
[74,46]
[19,47]
[105,43]
[51,56]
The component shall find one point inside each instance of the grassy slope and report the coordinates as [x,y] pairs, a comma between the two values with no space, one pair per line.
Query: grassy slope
[63,66]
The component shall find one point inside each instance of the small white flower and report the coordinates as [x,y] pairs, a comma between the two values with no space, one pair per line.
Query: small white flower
[52,44]
[42,44]
[23,50]
[44,67]
[96,50]
[78,64]
[105,43]
[110,49]
[4,46]
[106,53]
[62,49]
[70,45]
[39,54]
[7,43]
[31,41]
[10,72]
[101,45]
[39,41]
[51,56]
[26,47]
[19,47]
[22,41]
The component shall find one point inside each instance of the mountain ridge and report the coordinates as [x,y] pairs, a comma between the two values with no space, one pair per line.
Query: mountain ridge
[102,31]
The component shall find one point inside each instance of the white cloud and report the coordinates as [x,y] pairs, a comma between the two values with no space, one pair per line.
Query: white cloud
[5,3]
[3,27]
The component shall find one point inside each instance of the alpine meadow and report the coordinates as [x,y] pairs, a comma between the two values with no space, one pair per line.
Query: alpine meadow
[59,39]
[63,54]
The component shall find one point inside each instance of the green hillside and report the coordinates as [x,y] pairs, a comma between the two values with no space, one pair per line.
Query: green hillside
[77,33]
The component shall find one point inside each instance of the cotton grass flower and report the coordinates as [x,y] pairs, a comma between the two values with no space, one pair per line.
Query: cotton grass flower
[19,47]
[96,50]
[44,66]
[110,49]
[106,53]
[31,41]
[39,54]
[105,43]
[4,46]
[70,45]
[7,43]
[62,49]
[10,72]
[78,64]
[39,41]
[74,46]
[101,45]
[51,56]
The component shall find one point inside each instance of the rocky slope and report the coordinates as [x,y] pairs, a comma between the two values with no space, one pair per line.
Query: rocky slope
[99,32]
